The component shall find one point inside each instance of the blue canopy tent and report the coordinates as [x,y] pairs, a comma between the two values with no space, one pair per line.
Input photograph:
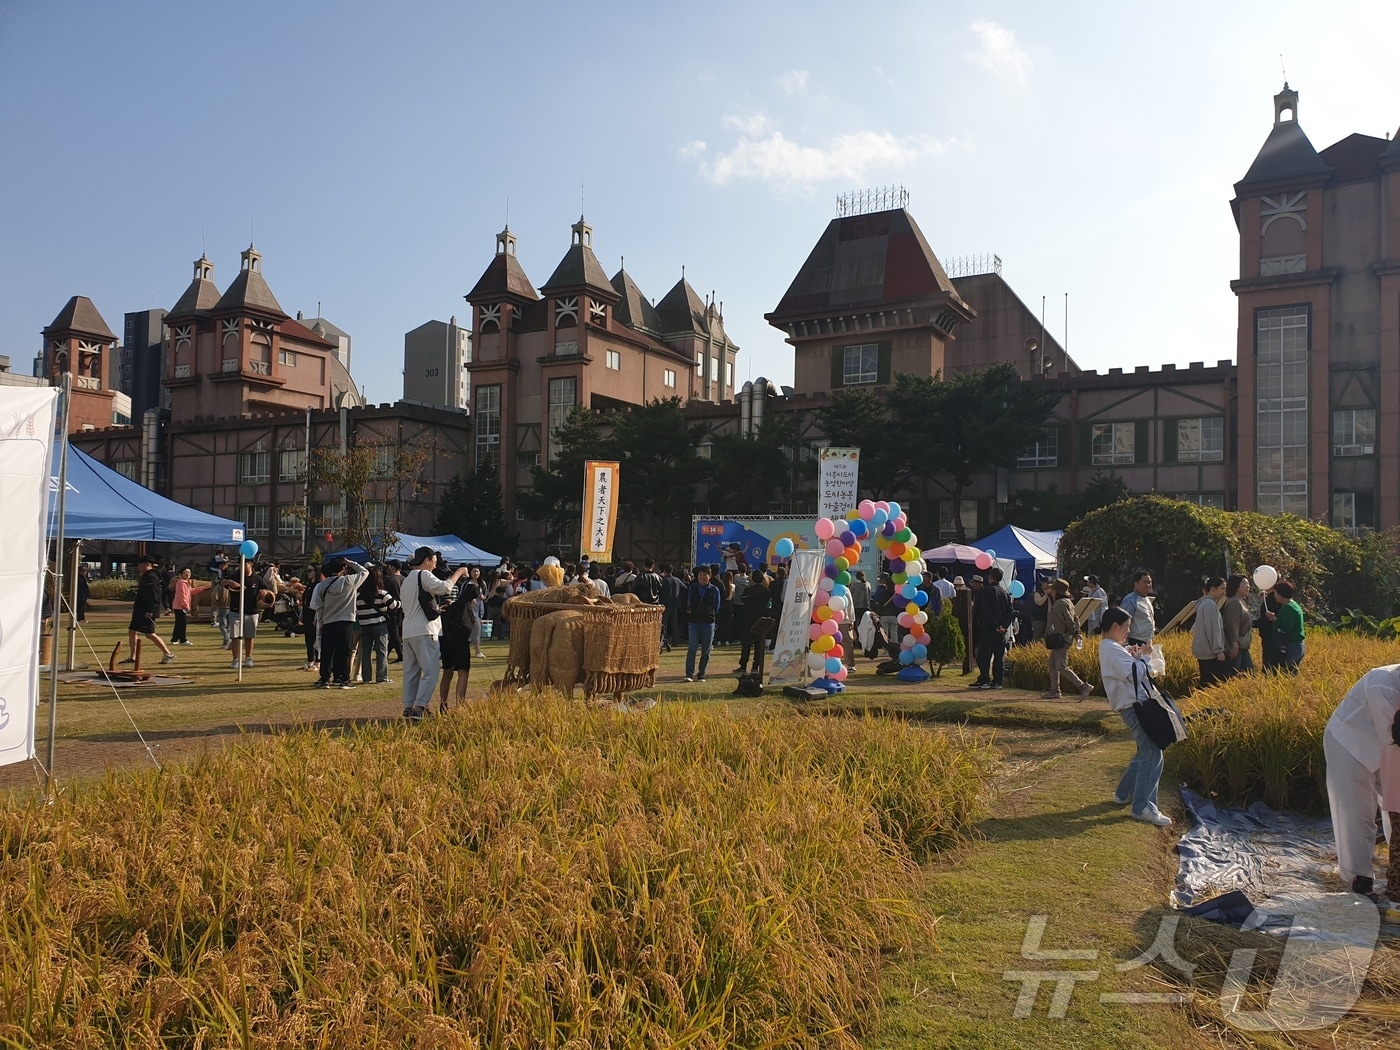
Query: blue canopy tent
[1035,553]
[454,551]
[103,505]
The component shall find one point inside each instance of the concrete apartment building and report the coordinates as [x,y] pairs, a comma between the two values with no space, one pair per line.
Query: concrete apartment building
[435,359]
[582,339]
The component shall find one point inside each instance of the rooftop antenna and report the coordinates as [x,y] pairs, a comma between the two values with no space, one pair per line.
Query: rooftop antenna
[1284,68]
[251,238]
[580,198]
[203,244]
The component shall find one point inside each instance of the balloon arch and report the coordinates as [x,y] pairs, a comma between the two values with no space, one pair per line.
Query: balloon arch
[832,610]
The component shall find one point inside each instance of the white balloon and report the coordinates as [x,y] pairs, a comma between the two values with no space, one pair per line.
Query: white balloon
[816,662]
[921,617]
[837,603]
[1265,577]
[825,584]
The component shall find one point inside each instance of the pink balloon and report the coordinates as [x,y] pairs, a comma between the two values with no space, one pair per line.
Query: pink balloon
[884,505]
[905,620]
[984,561]
[839,676]
[814,631]
[838,615]
[834,547]
[866,510]
[827,627]
[825,529]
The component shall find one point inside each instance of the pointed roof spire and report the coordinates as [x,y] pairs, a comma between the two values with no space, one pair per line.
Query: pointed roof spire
[79,316]
[579,268]
[249,291]
[201,296]
[504,277]
[633,309]
[1287,153]
[682,310]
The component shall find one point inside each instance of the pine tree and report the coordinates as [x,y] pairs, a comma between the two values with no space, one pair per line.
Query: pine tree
[471,508]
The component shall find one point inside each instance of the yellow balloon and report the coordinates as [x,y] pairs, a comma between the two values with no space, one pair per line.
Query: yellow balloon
[911,608]
[841,564]
[823,613]
[824,643]
[852,515]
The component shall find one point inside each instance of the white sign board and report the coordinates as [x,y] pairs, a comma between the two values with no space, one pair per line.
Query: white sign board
[790,652]
[836,481]
[26,446]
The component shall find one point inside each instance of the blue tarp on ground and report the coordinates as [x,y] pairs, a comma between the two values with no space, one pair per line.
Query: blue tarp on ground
[454,551]
[103,505]
[1031,551]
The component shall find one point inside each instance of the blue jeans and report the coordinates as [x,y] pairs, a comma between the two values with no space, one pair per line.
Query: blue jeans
[1144,772]
[1291,660]
[374,643]
[1244,660]
[702,636]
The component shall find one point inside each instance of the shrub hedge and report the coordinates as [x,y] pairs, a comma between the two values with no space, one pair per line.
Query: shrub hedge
[1181,542]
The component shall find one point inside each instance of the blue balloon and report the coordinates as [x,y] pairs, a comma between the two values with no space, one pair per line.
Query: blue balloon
[878,518]
[920,598]
[991,553]
[859,528]
[909,590]
[919,652]
[832,665]
[248,548]
[906,656]
[840,590]
[1017,589]
[894,509]
[783,548]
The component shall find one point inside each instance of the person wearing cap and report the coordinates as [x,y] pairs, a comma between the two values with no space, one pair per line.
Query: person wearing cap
[422,653]
[146,608]
[1091,589]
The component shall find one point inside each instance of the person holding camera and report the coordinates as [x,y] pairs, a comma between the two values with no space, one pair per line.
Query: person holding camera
[422,629]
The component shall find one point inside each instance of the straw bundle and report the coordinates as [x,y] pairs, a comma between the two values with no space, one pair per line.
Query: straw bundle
[622,650]
[524,609]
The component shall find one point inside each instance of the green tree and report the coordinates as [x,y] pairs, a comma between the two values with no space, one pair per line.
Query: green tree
[555,495]
[748,475]
[951,431]
[372,480]
[1048,508]
[945,640]
[471,508]
[660,467]
[859,419]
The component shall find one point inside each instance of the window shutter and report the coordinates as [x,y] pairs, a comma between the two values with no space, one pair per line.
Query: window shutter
[838,368]
[1062,445]
[882,371]
[1140,432]
[1169,428]
[1086,444]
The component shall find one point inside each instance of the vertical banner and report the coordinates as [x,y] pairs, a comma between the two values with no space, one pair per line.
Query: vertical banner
[27,421]
[790,651]
[836,482]
[599,509]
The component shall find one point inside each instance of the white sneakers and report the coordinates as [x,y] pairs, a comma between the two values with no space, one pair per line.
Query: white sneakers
[1153,816]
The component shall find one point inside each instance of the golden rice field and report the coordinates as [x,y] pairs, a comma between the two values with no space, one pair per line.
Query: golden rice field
[1259,737]
[522,873]
[1256,737]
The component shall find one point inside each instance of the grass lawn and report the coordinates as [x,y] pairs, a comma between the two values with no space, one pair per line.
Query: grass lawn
[1058,847]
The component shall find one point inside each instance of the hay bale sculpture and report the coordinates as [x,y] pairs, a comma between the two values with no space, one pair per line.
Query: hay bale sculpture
[568,636]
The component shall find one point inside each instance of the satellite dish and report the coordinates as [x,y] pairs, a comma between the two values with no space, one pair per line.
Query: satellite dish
[1032,345]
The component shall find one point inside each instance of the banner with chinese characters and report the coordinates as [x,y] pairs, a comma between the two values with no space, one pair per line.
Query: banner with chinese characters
[790,650]
[27,425]
[599,509]
[836,482]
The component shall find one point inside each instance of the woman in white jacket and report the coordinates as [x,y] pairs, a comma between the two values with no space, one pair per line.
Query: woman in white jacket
[1124,673]
[1208,634]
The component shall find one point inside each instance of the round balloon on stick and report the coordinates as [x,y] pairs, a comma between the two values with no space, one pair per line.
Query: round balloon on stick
[983,561]
[249,549]
[1265,577]
[1017,589]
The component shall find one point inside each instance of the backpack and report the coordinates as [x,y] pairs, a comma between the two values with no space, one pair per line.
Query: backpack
[749,685]
[427,602]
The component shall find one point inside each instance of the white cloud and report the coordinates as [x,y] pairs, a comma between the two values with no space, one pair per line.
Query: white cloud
[692,149]
[794,81]
[765,154]
[999,53]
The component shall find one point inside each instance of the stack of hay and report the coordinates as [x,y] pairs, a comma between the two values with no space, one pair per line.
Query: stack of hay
[566,636]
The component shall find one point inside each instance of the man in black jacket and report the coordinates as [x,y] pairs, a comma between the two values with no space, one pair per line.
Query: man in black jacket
[991,616]
[146,608]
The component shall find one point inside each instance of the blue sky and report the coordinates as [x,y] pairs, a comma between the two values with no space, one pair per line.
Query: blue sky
[373,147]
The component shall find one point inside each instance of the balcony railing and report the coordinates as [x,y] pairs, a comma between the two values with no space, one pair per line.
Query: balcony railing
[230,364]
[261,368]
[182,371]
[87,382]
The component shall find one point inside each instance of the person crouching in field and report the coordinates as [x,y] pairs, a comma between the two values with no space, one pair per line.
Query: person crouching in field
[1360,745]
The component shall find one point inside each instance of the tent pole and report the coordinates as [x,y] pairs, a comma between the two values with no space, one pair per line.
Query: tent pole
[73,605]
[242,585]
[65,394]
